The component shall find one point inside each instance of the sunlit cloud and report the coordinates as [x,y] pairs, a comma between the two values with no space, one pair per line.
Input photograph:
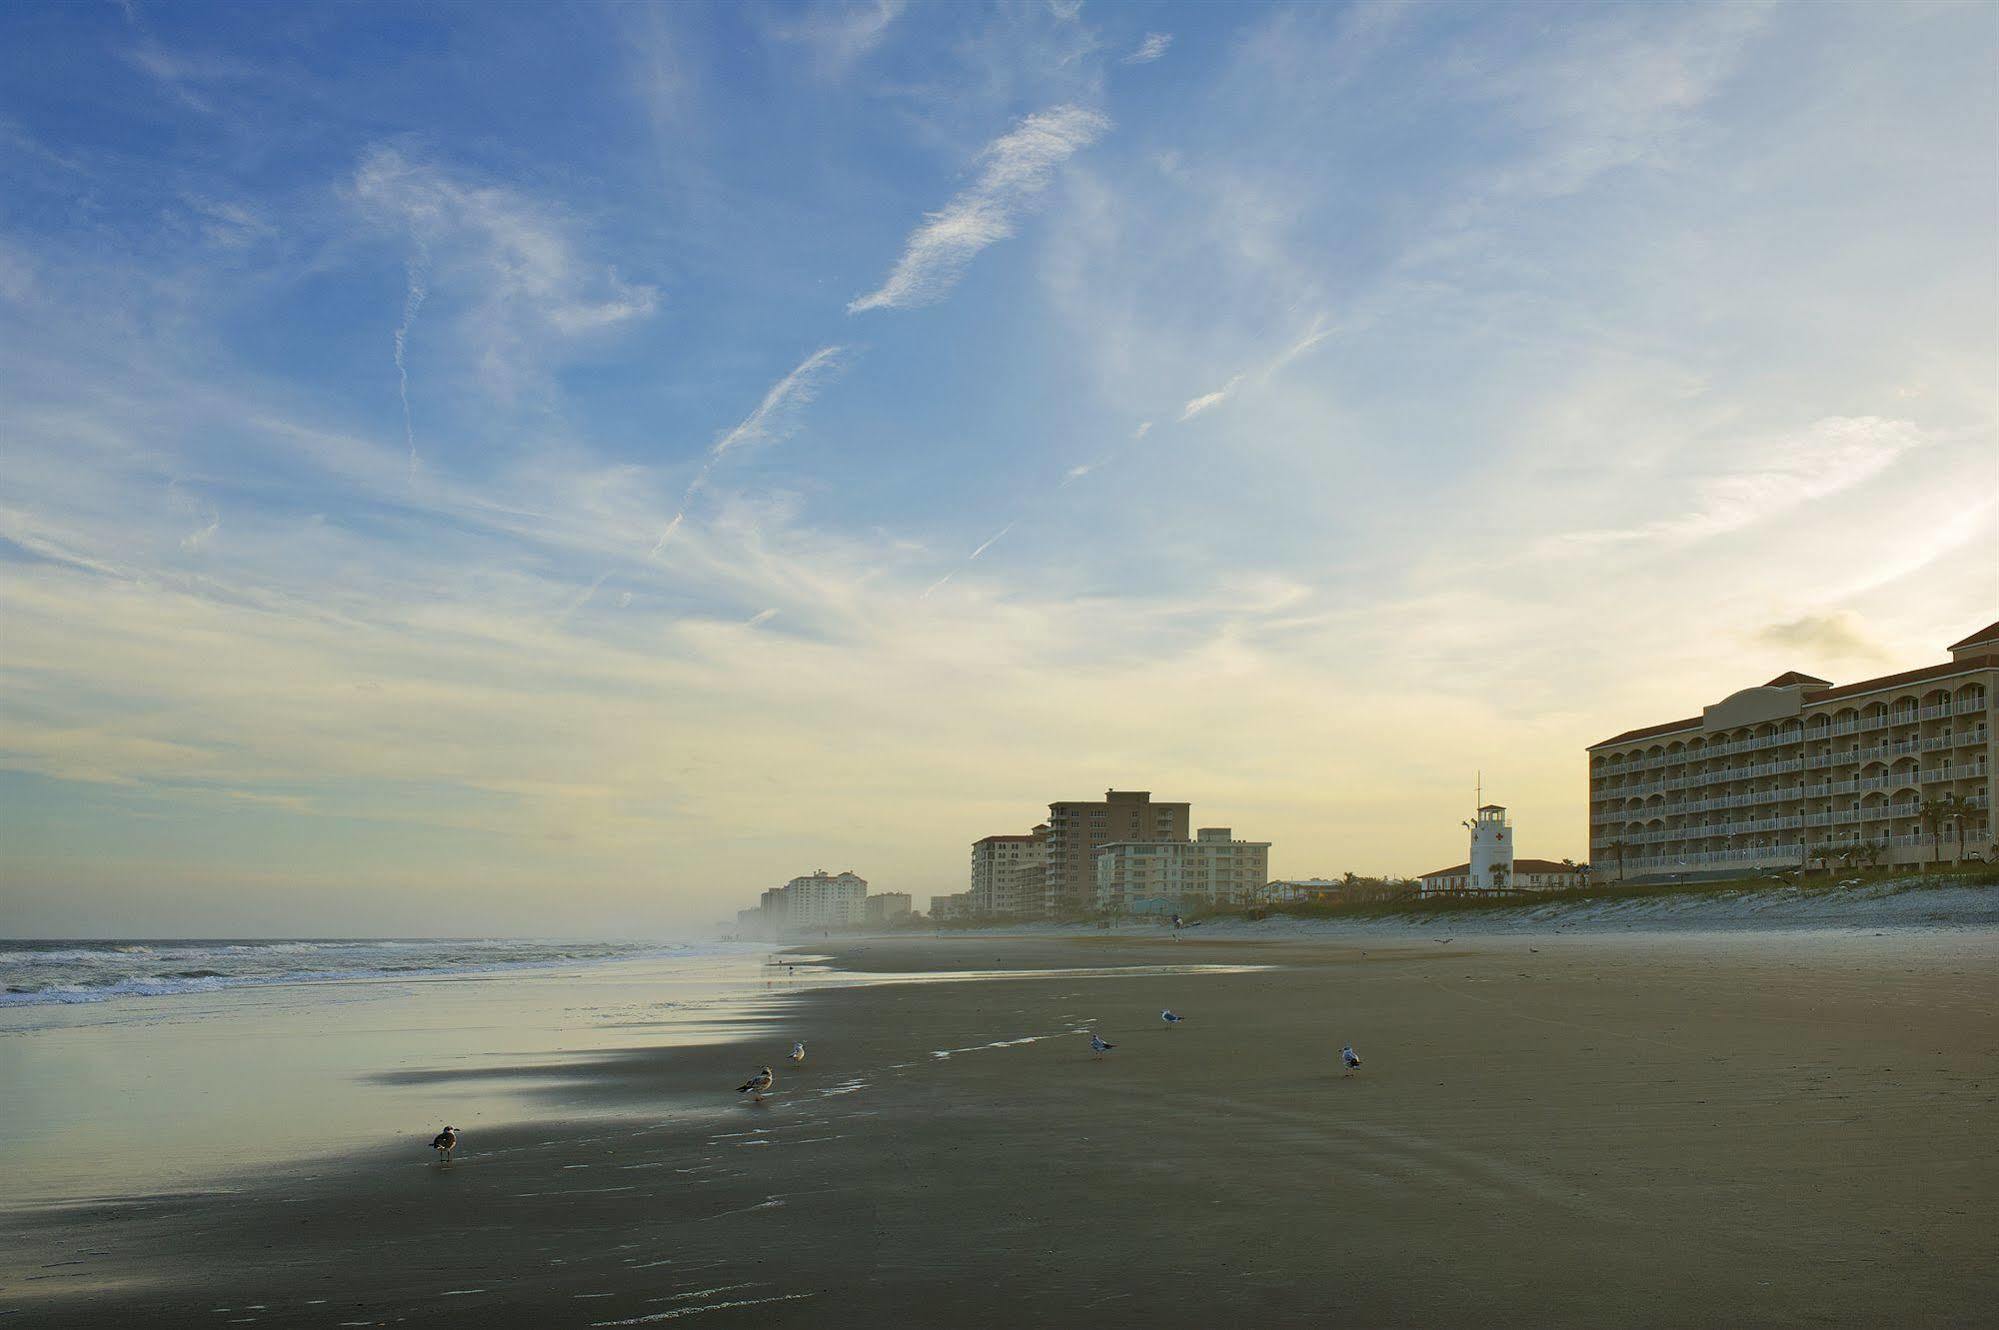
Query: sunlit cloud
[1209,401]
[1150,49]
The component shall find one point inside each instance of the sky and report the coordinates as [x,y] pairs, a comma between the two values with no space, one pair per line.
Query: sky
[528,469]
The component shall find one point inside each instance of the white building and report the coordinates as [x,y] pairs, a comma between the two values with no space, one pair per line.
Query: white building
[1492,866]
[1212,869]
[817,900]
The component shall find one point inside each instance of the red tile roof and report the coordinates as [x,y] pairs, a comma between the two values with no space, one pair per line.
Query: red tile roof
[1989,633]
[1964,666]
[1648,731]
[987,840]
[1789,677]
[1519,866]
[1828,694]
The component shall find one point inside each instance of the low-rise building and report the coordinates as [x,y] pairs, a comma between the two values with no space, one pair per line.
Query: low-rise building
[885,908]
[1524,875]
[1212,869]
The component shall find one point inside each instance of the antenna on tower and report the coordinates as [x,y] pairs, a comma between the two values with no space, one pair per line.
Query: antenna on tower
[1478,791]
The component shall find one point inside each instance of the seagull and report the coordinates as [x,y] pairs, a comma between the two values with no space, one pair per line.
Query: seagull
[758,1085]
[445,1142]
[1443,940]
[798,1053]
[1098,1046]
[1349,1059]
[1171,1017]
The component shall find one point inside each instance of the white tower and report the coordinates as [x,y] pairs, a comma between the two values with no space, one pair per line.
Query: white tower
[1491,850]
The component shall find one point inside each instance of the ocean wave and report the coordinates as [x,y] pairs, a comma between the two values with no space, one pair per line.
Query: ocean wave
[67,972]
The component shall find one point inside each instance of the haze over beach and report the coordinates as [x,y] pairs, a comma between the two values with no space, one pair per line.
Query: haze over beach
[857,663]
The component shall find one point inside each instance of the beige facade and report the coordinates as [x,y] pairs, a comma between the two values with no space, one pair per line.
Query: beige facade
[1009,873]
[1796,770]
[1077,829]
[1212,869]
[946,909]
[816,900]
[886,907]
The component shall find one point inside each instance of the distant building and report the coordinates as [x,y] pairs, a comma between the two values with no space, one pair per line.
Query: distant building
[1212,869]
[817,900]
[886,908]
[1304,891]
[950,909]
[1009,874]
[1797,771]
[1078,829]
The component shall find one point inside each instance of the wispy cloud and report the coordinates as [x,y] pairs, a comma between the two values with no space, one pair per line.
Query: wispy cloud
[1209,401]
[760,617]
[413,294]
[775,418]
[1016,167]
[989,542]
[1150,49]
[840,33]
[511,262]
[1832,456]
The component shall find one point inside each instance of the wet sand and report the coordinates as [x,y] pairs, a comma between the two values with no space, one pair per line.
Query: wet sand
[1574,1130]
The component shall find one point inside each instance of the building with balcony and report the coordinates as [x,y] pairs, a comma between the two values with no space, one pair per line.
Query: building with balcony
[1800,769]
[1009,875]
[1212,869]
[1078,829]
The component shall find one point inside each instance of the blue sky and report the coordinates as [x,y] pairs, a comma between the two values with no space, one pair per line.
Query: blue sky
[546,467]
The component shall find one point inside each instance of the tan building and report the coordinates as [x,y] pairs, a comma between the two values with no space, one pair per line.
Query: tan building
[952,908]
[1009,874]
[1797,768]
[1212,869]
[885,908]
[1077,829]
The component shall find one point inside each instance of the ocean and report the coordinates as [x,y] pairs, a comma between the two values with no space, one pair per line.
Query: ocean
[33,973]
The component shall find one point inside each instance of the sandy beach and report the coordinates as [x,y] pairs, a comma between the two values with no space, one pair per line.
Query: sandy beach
[1577,1129]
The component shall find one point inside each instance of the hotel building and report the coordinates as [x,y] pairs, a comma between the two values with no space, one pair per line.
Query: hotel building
[1785,772]
[1009,874]
[1212,869]
[1078,829]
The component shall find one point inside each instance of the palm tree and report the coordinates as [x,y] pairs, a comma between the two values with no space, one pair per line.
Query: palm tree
[1935,815]
[1618,847]
[1952,808]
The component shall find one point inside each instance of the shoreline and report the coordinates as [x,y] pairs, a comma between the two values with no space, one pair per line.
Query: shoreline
[1535,1139]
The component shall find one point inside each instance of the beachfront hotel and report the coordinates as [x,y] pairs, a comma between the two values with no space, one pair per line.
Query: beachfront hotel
[1010,875]
[1078,829]
[1212,869]
[1796,770]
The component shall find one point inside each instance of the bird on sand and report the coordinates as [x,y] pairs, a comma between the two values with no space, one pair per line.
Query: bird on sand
[797,1053]
[1349,1059]
[1442,940]
[758,1085]
[445,1142]
[1171,1017]
[1098,1046]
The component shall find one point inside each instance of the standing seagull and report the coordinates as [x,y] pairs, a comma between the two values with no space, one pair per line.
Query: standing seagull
[445,1142]
[1349,1059]
[1098,1046]
[798,1054]
[1171,1017]
[758,1085]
